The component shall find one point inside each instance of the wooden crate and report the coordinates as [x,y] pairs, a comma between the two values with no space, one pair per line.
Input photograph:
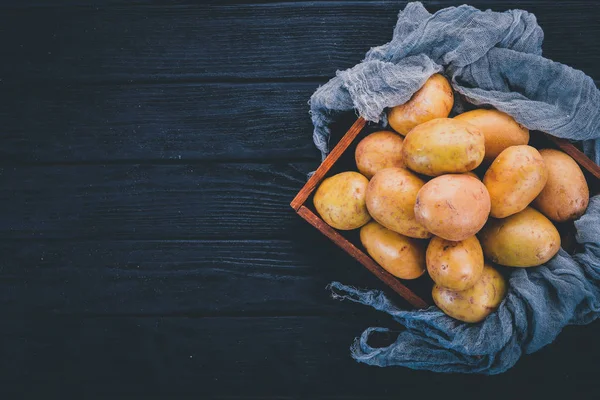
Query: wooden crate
[352,246]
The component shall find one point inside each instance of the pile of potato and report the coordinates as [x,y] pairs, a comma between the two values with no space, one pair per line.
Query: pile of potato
[421,207]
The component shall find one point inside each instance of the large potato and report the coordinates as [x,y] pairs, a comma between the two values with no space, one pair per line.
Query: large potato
[454,265]
[434,100]
[378,151]
[514,179]
[525,239]
[340,200]
[453,207]
[566,194]
[475,303]
[391,197]
[499,129]
[400,255]
[443,146]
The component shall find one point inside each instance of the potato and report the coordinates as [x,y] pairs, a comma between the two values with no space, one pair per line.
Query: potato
[377,151]
[400,255]
[391,197]
[566,194]
[499,129]
[453,207]
[443,146]
[525,239]
[434,100]
[475,303]
[514,179]
[454,265]
[340,201]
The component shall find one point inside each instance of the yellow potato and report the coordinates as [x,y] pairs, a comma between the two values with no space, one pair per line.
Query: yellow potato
[340,201]
[514,179]
[525,239]
[454,265]
[453,207]
[391,197]
[475,303]
[443,146]
[378,151]
[499,129]
[434,100]
[566,194]
[400,255]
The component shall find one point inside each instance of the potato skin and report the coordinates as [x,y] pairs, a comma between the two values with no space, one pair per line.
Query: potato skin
[443,146]
[473,304]
[434,100]
[340,200]
[499,129]
[525,239]
[391,197]
[378,151]
[566,194]
[453,207]
[514,180]
[454,265]
[400,255]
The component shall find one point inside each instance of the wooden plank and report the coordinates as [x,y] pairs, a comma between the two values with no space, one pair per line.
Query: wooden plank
[204,42]
[261,358]
[202,201]
[51,123]
[195,278]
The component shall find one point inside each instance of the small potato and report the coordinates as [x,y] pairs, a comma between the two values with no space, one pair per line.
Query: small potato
[400,255]
[434,100]
[525,239]
[340,201]
[453,207]
[378,151]
[475,303]
[566,194]
[514,179]
[454,265]
[443,146]
[499,129]
[391,197]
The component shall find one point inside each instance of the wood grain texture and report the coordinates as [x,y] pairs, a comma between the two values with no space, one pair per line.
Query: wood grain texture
[203,201]
[200,278]
[177,123]
[191,41]
[268,358]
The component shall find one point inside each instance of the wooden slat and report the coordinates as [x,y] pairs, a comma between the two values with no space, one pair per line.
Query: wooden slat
[577,155]
[179,122]
[199,278]
[361,257]
[193,42]
[326,165]
[259,358]
[203,201]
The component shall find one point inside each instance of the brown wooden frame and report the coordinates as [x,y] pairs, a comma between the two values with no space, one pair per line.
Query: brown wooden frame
[390,280]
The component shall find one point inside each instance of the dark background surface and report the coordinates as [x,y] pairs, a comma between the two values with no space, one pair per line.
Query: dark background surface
[149,153]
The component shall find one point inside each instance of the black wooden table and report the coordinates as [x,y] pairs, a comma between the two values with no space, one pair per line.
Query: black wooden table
[149,153]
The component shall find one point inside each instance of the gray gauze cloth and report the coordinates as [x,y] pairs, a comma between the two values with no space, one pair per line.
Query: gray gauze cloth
[492,59]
